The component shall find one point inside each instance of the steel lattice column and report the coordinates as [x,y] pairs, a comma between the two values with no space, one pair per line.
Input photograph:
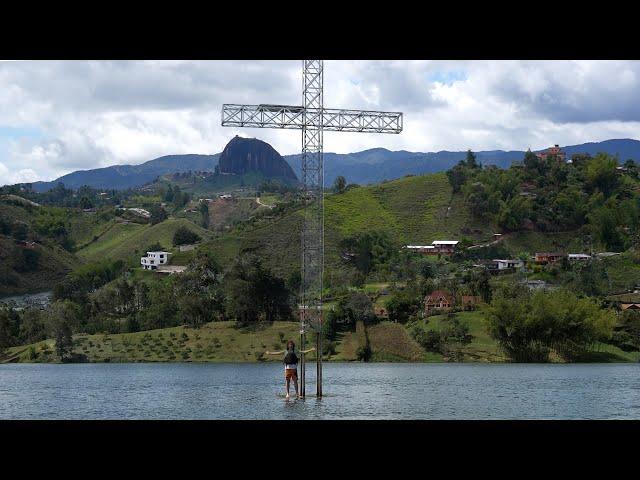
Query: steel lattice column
[312,118]
[313,228]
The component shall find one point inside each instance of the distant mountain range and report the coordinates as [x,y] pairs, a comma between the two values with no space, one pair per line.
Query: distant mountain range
[369,166]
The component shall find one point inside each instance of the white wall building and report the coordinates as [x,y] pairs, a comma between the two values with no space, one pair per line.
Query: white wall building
[154,259]
[579,257]
[502,264]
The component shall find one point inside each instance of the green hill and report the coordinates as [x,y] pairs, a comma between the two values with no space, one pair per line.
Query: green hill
[416,209]
[122,241]
[33,267]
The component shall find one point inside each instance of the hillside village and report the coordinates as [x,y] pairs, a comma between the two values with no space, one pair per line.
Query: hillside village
[435,267]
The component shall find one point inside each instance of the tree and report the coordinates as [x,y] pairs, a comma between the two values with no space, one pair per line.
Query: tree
[457,176]
[63,317]
[168,194]
[158,214]
[601,174]
[402,306]
[254,294]
[85,203]
[203,208]
[470,160]
[9,327]
[340,184]
[184,236]
[199,292]
[604,226]
[528,326]
[532,164]
[32,326]
[369,251]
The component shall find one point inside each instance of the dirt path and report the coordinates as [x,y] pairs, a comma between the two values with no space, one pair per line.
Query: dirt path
[494,242]
[259,202]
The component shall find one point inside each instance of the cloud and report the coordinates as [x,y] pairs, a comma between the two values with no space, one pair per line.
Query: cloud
[61,116]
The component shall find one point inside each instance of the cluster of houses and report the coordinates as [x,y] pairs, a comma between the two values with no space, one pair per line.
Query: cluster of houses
[550,258]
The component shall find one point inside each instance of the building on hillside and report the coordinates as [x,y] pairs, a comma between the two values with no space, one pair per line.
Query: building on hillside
[445,247]
[490,265]
[438,300]
[509,264]
[630,306]
[545,257]
[578,257]
[154,259]
[226,196]
[469,302]
[554,151]
[426,249]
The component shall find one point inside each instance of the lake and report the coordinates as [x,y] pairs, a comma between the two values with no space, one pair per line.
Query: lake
[352,391]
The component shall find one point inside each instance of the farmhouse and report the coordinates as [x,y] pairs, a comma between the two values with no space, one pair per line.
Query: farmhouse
[153,260]
[438,300]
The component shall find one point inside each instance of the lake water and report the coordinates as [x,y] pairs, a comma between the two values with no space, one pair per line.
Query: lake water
[352,391]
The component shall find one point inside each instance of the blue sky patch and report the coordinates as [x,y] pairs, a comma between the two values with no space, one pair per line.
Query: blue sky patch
[447,77]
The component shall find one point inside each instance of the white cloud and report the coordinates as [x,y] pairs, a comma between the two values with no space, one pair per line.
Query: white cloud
[96,113]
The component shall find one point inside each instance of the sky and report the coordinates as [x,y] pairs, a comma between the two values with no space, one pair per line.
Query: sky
[60,116]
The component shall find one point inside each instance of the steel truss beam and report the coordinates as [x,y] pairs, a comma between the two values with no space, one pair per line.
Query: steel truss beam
[293,117]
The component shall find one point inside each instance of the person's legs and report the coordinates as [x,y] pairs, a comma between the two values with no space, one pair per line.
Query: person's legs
[295,384]
[287,381]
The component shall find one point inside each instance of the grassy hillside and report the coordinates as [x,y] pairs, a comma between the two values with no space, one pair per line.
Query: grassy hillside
[126,240]
[29,269]
[417,209]
[53,264]
[222,342]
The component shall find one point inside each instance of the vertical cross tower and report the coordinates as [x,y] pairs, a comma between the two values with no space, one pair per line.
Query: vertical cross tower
[312,118]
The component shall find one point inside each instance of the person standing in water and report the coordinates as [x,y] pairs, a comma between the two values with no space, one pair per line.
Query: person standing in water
[290,365]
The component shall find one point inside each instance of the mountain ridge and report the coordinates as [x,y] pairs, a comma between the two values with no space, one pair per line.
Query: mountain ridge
[356,166]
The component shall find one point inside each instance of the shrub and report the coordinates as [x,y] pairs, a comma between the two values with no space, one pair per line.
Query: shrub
[184,236]
[363,353]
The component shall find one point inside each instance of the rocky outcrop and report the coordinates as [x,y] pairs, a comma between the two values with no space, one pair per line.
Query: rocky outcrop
[244,155]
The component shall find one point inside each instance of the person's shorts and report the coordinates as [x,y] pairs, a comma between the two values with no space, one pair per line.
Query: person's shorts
[291,374]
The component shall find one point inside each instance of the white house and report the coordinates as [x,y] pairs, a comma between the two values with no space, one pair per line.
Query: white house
[502,264]
[578,257]
[154,259]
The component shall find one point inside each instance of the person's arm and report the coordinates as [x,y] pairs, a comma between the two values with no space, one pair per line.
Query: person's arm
[275,353]
[307,351]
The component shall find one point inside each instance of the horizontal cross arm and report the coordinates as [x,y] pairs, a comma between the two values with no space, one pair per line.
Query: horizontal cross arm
[296,117]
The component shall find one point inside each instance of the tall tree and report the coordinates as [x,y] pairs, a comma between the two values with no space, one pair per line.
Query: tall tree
[340,184]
